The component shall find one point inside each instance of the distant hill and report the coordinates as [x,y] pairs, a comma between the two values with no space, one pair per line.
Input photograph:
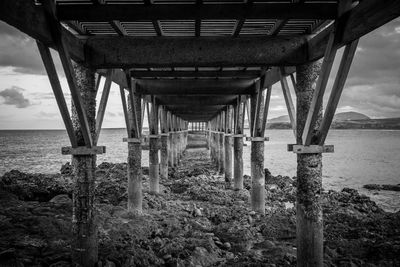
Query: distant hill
[344,120]
[284,118]
[350,116]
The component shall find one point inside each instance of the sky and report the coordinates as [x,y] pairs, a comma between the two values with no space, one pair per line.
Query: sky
[27,101]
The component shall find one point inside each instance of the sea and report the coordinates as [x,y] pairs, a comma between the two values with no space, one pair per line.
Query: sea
[361,157]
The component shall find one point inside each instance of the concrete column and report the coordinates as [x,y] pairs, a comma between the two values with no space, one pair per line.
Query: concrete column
[84,215]
[238,162]
[164,156]
[257,177]
[178,147]
[309,176]
[212,151]
[135,177]
[134,160]
[221,140]
[175,149]
[170,153]
[216,149]
[154,165]
[228,160]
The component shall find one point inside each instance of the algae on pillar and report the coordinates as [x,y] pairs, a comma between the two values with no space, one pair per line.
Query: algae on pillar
[84,223]
[309,175]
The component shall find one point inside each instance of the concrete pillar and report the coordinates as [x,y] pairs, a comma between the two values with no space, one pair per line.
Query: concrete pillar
[228,159]
[221,161]
[257,177]
[212,148]
[309,176]
[164,156]
[154,165]
[170,153]
[84,215]
[238,162]
[135,177]
[134,162]
[175,149]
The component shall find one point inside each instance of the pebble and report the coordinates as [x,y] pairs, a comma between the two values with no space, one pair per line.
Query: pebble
[218,243]
[227,245]
[197,213]
[166,257]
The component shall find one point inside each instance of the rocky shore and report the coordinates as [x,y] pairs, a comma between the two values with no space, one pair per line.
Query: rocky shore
[195,221]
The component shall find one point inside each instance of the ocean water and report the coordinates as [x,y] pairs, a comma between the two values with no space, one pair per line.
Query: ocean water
[361,156]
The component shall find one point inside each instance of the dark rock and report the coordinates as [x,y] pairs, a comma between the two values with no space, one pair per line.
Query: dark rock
[388,187]
[66,169]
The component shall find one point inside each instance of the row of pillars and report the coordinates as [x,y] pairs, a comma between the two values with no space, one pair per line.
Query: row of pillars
[173,143]
[198,126]
[309,165]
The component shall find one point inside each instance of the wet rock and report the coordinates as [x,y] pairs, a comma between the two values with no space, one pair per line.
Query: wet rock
[35,187]
[388,187]
[66,169]
[202,257]
[61,199]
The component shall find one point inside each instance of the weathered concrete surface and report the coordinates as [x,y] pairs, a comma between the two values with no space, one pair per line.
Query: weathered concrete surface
[309,175]
[84,219]
[257,177]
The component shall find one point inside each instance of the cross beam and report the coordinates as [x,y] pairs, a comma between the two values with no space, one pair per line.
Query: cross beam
[130,52]
[202,100]
[194,87]
[196,74]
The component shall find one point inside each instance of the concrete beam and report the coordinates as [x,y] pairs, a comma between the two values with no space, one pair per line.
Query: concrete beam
[195,87]
[129,12]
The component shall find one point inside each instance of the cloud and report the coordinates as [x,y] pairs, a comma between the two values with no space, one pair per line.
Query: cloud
[14,96]
[20,52]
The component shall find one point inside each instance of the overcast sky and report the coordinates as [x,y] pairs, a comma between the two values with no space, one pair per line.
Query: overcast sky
[27,102]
